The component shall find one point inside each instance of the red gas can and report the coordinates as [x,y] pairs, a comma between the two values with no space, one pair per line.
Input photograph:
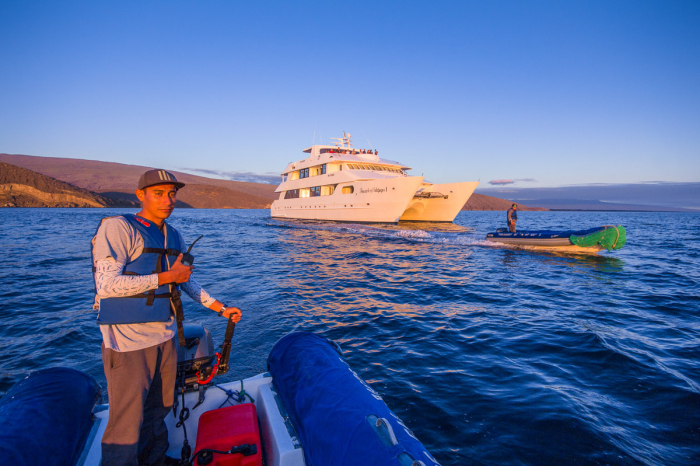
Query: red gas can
[226,429]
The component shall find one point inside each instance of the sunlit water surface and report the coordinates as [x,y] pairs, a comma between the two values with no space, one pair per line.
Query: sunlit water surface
[490,355]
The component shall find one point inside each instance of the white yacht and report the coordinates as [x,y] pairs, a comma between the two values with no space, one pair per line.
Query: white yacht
[341,183]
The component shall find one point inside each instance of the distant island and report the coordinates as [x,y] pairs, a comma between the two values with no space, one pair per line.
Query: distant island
[20,187]
[31,181]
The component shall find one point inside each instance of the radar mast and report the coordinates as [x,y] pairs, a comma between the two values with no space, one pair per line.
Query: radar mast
[345,142]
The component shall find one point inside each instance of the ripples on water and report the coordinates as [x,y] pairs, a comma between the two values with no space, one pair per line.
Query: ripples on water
[491,355]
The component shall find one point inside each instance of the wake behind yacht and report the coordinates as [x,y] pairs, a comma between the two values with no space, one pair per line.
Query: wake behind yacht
[341,183]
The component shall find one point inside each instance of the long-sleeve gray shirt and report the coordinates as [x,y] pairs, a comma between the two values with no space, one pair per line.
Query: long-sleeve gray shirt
[116,243]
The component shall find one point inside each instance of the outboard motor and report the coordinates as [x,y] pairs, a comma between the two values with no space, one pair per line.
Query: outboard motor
[197,352]
[197,365]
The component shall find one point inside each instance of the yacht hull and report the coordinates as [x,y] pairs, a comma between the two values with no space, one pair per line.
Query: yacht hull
[446,202]
[372,201]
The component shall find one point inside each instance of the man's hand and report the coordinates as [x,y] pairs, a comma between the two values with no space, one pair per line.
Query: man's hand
[178,273]
[233,312]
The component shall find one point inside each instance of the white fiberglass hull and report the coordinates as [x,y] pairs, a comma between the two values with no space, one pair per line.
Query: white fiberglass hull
[440,208]
[281,448]
[378,200]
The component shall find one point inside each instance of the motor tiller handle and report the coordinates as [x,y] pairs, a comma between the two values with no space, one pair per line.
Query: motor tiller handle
[226,347]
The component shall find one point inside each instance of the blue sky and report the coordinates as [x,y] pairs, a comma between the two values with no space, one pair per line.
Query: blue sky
[545,93]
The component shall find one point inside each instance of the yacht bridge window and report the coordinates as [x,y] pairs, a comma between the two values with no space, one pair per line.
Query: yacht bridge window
[313,171]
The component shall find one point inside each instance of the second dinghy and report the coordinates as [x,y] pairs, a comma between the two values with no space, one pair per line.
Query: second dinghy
[594,240]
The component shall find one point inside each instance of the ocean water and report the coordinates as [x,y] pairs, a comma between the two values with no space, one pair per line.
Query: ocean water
[490,355]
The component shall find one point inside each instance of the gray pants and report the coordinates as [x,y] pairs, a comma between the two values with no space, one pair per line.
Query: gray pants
[140,386]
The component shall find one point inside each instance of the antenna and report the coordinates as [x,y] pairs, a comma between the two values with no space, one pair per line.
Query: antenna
[190,248]
[370,144]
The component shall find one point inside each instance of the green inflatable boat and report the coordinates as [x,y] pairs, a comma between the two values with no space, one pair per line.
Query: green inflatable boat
[608,237]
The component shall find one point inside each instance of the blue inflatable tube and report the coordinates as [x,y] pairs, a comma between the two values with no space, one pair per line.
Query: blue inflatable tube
[340,420]
[46,417]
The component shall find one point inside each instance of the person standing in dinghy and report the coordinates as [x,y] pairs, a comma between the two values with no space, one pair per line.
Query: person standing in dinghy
[137,267]
[512,216]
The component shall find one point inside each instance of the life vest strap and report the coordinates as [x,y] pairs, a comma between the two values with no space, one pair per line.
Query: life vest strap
[176,304]
[162,251]
[149,295]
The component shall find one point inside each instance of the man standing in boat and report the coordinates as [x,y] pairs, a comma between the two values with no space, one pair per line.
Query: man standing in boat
[137,266]
[512,215]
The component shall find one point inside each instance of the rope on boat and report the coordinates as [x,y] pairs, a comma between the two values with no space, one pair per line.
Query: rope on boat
[616,238]
[186,450]
[235,395]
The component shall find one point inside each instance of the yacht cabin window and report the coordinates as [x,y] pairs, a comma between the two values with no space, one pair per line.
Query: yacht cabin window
[348,190]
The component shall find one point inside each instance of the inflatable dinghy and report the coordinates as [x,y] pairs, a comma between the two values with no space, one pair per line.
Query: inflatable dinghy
[594,240]
[310,409]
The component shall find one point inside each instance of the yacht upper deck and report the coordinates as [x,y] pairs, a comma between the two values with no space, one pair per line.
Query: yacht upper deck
[343,151]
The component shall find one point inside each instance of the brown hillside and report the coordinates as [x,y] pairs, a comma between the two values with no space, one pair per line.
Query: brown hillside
[483,202]
[205,196]
[20,187]
[117,180]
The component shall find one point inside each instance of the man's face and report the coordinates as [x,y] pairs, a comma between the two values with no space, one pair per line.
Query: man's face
[158,201]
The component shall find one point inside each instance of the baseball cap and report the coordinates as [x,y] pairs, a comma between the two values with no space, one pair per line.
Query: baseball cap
[154,177]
